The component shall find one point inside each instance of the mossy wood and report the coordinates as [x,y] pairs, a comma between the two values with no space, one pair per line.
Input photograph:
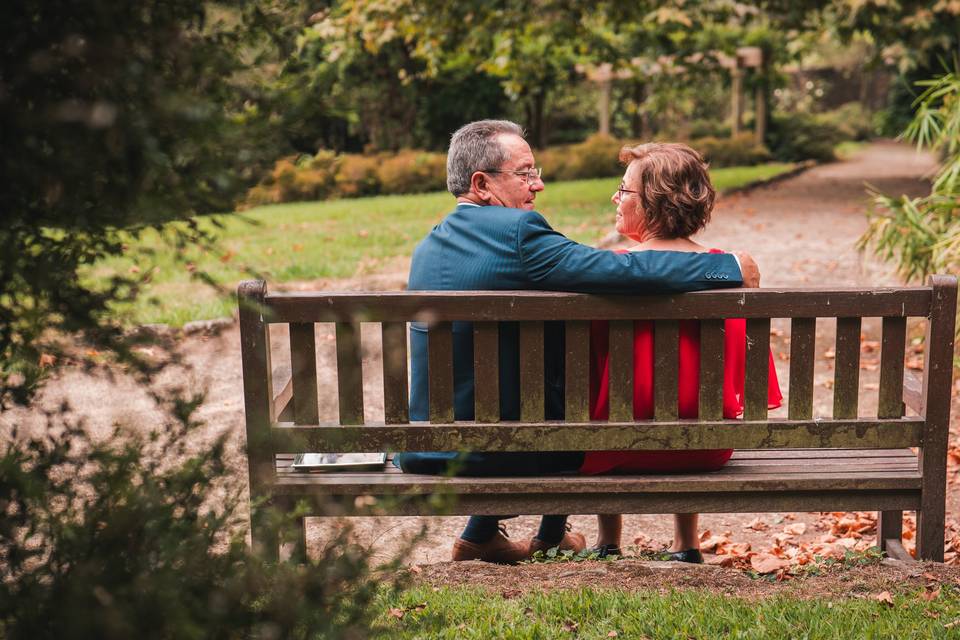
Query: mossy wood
[846,461]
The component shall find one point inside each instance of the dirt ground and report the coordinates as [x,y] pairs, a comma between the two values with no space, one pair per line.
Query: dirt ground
[802,232]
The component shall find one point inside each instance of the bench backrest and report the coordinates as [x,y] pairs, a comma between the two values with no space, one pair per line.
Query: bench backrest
[287,420]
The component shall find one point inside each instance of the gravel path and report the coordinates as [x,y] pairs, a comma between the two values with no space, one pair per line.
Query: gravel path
[802,232]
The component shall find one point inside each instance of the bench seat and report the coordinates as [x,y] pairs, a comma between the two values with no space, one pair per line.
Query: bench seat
[753,480]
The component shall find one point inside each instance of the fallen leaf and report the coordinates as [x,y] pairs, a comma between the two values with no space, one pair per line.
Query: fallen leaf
[796,528]
[510,594]
[711,543]
[757,525]
[397,613]
[570,626]
[612,634]
[930,594]
[363,233]
[719,561]
[47,360]
[884,597]
[766,563]
[416,569]
[951,625]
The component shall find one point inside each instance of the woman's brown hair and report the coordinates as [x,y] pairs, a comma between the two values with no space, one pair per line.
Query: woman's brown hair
[676,196]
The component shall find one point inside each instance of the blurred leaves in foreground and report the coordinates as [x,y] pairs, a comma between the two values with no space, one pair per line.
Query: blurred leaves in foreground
[140,538]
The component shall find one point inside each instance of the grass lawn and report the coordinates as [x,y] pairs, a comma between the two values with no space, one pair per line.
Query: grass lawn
[338,239]
[474,613]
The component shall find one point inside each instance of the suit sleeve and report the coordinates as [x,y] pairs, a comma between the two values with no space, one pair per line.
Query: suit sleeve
[554,262]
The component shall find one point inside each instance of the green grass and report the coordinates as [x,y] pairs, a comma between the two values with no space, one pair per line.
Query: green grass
[338,239]
[473,613]
[848,149]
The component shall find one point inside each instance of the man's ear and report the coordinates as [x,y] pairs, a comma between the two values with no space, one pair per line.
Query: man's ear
[478,185]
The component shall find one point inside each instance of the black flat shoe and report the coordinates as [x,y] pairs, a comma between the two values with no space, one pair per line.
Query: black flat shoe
[607,550]
[693,556]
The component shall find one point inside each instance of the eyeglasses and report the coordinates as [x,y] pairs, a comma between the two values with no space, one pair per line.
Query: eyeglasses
[622,190]
[530,175]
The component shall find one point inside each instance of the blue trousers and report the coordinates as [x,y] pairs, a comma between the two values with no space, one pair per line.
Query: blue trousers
[481,529]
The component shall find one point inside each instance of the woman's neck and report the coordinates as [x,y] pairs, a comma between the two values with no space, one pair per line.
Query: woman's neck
[673,244]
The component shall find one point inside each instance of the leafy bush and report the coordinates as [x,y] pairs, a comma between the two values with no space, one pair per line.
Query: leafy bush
[595,157]
[732,152]
[853,121]
[413,172]
[116,541]
[357,175]
[802,136]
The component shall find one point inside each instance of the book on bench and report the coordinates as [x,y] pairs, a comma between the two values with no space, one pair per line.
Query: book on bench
[339,461]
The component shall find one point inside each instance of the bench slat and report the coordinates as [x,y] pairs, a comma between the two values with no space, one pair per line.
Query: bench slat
[440,369]
[303,366]
[349,373]
[396,408]
[815,480]
[531,372]
[666,362]
[846,383]
[711,369]
[839,457]
[559,436]
[475,306]
[893,344]
[803,332]
[486,371]
[758,369]
[577,371]
[621,370]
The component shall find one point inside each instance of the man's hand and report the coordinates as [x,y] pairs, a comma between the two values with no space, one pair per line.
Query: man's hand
[748,269]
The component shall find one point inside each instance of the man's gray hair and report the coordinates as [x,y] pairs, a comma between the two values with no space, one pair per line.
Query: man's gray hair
[474,147]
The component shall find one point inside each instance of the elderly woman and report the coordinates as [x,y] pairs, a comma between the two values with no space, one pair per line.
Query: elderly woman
[664,198]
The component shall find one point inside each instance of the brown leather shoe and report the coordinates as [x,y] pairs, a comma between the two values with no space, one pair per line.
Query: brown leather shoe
[571,541]
[499,549]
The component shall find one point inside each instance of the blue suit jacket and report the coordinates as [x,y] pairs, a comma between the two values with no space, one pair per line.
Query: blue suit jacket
[491,248]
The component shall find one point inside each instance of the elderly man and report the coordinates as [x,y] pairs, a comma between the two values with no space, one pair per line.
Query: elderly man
[495,240]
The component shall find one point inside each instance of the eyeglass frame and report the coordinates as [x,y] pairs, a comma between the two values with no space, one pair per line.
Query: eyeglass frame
[621,191]
[531,175]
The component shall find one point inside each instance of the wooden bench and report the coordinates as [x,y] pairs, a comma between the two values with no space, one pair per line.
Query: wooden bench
[892,462]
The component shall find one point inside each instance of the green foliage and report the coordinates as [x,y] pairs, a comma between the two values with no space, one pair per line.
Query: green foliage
[922,235]
[689,613]
[852,120]
[803,136]
[742,150]
[116,117]
[143,538]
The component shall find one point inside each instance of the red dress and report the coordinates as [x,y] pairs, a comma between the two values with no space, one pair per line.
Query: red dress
[734,357]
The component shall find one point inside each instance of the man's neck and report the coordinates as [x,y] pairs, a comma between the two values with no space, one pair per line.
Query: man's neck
[471,198]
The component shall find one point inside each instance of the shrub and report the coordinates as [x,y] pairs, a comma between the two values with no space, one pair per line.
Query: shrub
[357,175]
[731,152]
[595,157]
[411,171]
[803,136]
[852,120]
[121,541]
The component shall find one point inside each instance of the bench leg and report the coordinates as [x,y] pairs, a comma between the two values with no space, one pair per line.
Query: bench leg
[889,526]
[296,551]
[263,536]
[930,526]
